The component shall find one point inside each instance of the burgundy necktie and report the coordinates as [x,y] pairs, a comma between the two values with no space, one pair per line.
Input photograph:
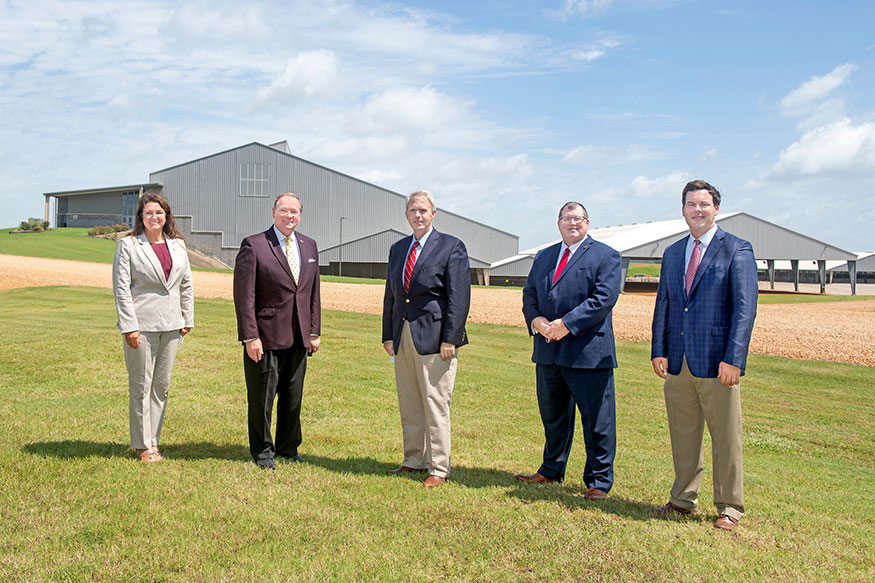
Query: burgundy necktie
[693,265]
[561,264]
[408,265]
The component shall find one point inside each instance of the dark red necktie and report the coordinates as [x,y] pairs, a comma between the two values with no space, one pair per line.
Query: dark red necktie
[408,265]
[693,265]
[562,264]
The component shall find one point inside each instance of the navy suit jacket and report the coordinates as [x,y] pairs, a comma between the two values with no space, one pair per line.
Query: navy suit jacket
[583,297]
[714,322]
[269,304]
[439,298]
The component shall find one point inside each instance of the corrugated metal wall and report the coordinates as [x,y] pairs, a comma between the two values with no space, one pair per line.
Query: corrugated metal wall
[208,190]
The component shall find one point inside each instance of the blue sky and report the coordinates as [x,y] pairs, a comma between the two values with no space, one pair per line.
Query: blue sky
[504,110]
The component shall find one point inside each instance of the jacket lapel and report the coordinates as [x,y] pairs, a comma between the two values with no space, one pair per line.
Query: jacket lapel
[584,246]
[177,262]
[277,249]
[711,252]
[427,249]
[149,254]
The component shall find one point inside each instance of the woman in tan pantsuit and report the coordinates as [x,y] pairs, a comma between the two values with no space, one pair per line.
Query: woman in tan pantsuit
[155,302]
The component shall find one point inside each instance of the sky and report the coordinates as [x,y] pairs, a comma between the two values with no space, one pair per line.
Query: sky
[503,109]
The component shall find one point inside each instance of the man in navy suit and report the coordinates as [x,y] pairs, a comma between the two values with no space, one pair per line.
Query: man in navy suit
[276,297]
[705,308]
[428,293]
[567,302]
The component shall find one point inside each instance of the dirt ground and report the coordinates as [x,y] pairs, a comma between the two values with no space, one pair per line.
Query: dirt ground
[834,331]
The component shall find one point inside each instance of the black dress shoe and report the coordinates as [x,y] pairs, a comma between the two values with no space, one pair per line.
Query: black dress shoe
[265,464]
[292,458]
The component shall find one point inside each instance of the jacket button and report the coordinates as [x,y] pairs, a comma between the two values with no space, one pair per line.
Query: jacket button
[407,300]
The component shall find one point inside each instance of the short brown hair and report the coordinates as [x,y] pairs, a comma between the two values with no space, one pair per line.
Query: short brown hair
[700,185]
[293,195]
[572,204]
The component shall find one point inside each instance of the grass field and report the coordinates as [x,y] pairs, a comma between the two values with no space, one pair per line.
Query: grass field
[76,506]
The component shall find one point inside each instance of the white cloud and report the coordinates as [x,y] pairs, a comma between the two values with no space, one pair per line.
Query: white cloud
[804,98]
[582,8]
[218,21]
[409,110]
[661,188]
[607,155]
[305,76]
[841,146]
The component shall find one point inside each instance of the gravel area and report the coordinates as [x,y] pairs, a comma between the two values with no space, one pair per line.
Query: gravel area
[834,331]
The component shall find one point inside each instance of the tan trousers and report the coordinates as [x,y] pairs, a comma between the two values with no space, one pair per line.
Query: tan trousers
[149,368]
[425,387]
[690,402]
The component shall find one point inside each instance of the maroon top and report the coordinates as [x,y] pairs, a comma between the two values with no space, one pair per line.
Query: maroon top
[163,254]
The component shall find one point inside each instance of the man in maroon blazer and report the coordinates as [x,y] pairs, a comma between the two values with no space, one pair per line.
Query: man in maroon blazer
[276,297]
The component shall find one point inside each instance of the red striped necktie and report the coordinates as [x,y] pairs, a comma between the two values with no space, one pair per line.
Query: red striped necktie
[408,265]
[562,263]
[693,265]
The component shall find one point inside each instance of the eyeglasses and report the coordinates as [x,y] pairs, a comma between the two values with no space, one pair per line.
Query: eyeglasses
[573,220]
[290,212]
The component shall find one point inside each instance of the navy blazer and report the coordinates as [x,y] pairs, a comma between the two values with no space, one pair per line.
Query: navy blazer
[583,297]
[266,297]
[439,298]
[715,321]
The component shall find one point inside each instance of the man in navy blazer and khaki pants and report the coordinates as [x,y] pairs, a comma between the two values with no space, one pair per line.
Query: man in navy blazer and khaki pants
[276,297]
[425,306]
[567,302]
[705,308]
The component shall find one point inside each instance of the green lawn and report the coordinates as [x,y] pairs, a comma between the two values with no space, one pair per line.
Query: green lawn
[70,243]
[76,506]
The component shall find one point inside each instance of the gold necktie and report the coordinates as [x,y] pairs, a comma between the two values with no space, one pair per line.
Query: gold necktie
[292,258]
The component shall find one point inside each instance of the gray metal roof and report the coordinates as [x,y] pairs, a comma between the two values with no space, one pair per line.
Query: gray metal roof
[865,262]
[104,189]
[649,240]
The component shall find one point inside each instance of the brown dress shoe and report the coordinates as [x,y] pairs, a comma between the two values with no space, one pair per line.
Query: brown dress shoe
[595,494]
[404,470]
[432,481]
[726,522]
[669,509]
[535,478]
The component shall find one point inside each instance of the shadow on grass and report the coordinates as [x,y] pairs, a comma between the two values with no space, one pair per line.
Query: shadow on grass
[573,498]
[462,475]
[183,451]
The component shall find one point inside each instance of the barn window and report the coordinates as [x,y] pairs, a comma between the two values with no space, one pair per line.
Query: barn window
[254,179]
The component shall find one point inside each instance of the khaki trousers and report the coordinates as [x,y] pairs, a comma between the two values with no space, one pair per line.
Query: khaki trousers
[149,368]
[425,387]
[690,402]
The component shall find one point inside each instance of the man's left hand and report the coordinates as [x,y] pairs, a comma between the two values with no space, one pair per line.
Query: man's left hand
[448,351]
[729,375]
[557,330]
[314,344]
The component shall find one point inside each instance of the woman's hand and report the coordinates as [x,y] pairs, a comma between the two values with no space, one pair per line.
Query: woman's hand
[133,339]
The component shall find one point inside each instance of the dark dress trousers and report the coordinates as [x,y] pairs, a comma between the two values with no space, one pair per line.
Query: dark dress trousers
[283,314]
[579,368]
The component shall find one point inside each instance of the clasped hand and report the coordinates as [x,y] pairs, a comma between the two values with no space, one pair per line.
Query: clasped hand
[552,331]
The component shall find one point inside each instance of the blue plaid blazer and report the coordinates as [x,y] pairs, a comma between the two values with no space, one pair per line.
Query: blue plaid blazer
[714,322]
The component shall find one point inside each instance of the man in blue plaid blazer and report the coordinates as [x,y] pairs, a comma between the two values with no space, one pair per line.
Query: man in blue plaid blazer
[705,308]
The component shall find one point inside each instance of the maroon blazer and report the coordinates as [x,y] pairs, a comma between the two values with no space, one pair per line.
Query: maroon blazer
[269,305]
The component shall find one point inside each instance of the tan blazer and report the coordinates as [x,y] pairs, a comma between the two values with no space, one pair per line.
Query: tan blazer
[145,301]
